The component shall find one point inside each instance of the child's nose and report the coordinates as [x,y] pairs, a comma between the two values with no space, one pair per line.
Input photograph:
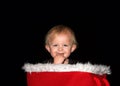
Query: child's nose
[60,48]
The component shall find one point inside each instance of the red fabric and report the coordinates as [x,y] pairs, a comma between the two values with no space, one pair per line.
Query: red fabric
[66,79]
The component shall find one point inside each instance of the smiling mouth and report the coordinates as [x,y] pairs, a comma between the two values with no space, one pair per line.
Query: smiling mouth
[60,53]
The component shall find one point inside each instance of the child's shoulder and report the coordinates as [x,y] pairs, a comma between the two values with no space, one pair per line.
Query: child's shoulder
[48,60]
[73,61]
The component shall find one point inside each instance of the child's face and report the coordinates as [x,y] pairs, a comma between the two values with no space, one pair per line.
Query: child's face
[61,45]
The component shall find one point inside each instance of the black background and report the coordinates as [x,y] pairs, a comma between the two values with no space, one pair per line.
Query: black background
[23,34]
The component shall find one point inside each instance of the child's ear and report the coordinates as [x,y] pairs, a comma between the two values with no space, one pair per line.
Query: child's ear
[47,48]
[73,47]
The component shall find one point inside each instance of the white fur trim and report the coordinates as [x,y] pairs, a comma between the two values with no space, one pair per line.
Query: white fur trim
[87,67]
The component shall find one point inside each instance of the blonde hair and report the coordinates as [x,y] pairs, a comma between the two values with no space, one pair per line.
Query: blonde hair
[60,29]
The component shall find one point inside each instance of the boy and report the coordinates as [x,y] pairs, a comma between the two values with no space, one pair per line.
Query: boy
[60,42]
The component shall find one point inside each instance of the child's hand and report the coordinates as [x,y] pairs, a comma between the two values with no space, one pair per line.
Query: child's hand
[59,59]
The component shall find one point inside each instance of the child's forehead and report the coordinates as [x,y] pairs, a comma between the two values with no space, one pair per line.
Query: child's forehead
[62,34]
[61,37]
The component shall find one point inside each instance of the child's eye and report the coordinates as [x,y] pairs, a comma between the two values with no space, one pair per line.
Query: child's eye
[55,45]
[65,45]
